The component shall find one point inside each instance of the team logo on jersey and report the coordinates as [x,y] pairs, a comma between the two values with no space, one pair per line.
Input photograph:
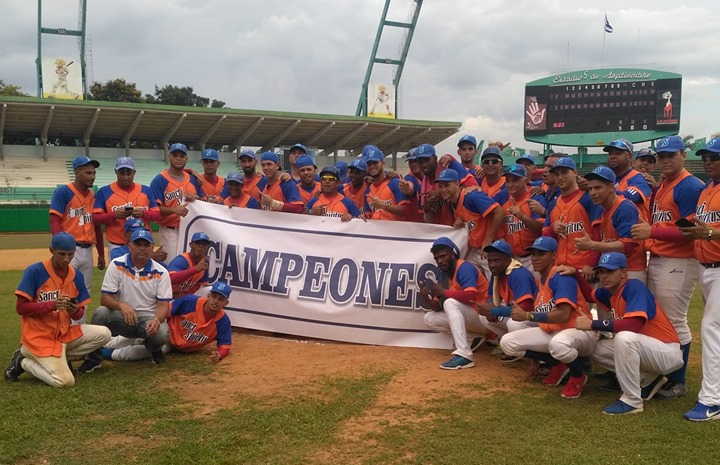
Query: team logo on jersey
[81,214]
[712,216]
[513,224]
[471,225]
[385,203]
[577,226]
[48,296]
[545,307]
[174,195]
[190,335]
[121,207]
[661,216]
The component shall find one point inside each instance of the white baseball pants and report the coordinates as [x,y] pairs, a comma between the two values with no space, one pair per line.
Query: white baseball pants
[710,333]
[83,262]
[569,344]
[517,342]
[672,282]
[460,321]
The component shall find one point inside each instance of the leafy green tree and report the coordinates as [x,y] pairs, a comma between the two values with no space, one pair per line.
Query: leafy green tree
[116,90]
[10,90]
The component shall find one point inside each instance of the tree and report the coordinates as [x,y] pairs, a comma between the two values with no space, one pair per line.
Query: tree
[217,104]
[186,96]
[117,90]
[10,90]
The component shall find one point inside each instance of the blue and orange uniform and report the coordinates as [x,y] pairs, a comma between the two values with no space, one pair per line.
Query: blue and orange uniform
[518,286]
[112,197]
[283,191]
[170,192]
[191,328]
[355,195]
[74,209]
[515,231]
[335,205]
[245,201]
[308,192]
[467,179]
[497,191]
[615,225]
[578,213]
[388,191]
[185,277]
[558,289]
[214,188]
[473,207]
[634,187]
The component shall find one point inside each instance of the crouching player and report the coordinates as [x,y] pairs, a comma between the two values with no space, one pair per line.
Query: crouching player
[188,271]
[454,305]
[50,294]
[645,347]
[194,322]
[558,303]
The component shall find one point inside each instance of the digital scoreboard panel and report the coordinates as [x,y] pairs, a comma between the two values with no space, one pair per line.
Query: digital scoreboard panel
[592,107]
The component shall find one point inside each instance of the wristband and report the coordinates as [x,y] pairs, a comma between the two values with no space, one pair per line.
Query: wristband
[540,317]
[501,311]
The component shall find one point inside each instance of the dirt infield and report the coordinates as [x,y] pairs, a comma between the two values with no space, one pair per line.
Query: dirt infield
[18,259]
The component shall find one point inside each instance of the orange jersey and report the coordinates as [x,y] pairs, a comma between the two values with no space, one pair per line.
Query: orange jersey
[492,190]
[357,196]
[283,191]
[615,225]
[577,212]
[170,192]
[515,231]
[75,211]
[468,277]
[245,201]
[191,328]
[556,290]
[210,189]
[708,211]
[251,187]
[634,299]
[473,207]
[636,189]
[112,197]
[306,194]
[191,284]
[388,191]
[674,200]
[516,287]
[44,334]
[336,205]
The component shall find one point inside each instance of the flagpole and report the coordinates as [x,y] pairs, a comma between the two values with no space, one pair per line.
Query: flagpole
[603,48]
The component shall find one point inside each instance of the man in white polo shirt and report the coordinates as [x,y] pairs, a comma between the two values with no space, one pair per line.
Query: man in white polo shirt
[136,295]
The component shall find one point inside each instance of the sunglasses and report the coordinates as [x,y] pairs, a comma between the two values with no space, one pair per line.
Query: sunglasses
[491,161]
[328,178]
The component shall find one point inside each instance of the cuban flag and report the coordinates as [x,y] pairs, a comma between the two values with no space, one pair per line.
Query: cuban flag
[608,26]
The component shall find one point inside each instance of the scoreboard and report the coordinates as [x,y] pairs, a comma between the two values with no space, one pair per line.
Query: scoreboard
[593,107]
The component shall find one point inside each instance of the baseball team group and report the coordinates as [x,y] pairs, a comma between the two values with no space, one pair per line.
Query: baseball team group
[565,270]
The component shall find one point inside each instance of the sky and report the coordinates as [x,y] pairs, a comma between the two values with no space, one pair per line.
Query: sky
[468,62]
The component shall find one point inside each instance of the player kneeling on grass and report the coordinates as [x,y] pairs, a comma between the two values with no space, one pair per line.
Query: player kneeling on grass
[558,303]
[330,202]
[645,347]
[194,322]
[136,295]
[50,294]
[453,302]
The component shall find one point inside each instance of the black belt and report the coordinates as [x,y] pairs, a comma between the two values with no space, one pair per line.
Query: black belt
[711,265]
[83,245]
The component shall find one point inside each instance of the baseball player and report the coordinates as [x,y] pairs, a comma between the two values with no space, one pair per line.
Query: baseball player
[172,188]
[630,181]
[355,189]
[474,209]
[706,234]
[188,271]
[253,182]
[71,210]
[384,198]
[493,181]
[618,216]
[122,199]
[511,283]
[570,216]
[330,202]
[49,296]
[136,295]
[672,270]
[522,224]
[558,304]
[295,152]
[645,162]
[453,300]
[211,184]
[131,225]
[534,175]
[467,151]
[436,211]
[308,187]
[645,345]
[411,186]
[278,194]
[237,196]
[342,168]
[193,323]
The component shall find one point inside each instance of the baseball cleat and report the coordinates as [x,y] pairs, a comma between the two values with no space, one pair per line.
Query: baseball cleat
[457,363]
[557,375]
[702,412]
[158,357]
[476,343]
[509,358]
[672,390]
[15,369]
[621,408]
[574,387]
[92,362]
[611,384]
[649,391]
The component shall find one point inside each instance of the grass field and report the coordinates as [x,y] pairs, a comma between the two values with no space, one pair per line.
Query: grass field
[134,413]
[24,241]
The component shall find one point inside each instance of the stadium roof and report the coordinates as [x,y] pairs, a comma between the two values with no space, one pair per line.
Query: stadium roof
[161,124]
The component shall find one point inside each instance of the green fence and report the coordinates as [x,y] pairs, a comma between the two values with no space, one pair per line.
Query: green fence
[30,218]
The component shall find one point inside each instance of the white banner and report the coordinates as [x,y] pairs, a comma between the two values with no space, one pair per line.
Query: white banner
[62,78]
[318,277]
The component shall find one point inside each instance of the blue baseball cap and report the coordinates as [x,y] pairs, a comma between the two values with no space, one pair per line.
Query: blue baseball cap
[200,237]
[491,152]
[713,146]
[270,156]
[544,244]
[124,162]
[303,161]
[670,144]
[612,261]
[331,170]
[448,175]
[141,234]
[178,147]
[222,288]
[358,164]
[467,139]
[62,241]
[564,162]
[372,153]
[602,173]
[645,153]
[299,146]
[411,154]
[82,160]
[445,242]
[499,246]
[342,167]
[527,157]
[210,154]
[620,144]
[247,153]
[132,223]
[516,170]
[235,176]
[425,151]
